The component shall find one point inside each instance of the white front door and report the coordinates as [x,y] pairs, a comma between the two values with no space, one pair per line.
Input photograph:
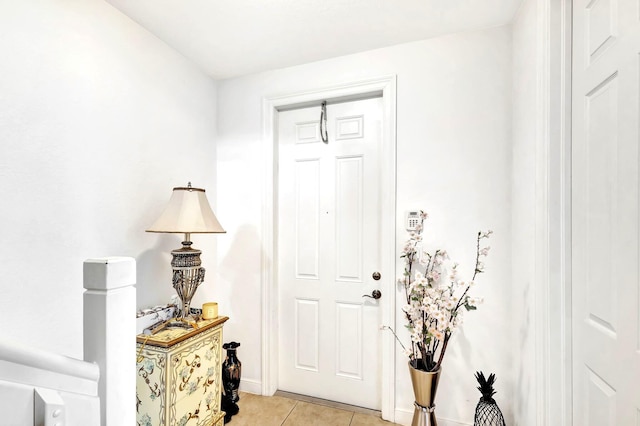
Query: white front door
[605,263]
[328,249]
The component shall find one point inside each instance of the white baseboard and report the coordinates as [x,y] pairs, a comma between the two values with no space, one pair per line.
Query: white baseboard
[404,417]
[449,422]
[251,386]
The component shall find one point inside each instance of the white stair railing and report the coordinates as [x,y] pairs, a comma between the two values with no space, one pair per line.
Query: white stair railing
[46,389]
[26,373]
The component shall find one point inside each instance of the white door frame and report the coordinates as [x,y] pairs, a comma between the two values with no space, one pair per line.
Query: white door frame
[386,87]
[552,283]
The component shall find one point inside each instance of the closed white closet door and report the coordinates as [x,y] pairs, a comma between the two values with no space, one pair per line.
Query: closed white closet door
[606,335]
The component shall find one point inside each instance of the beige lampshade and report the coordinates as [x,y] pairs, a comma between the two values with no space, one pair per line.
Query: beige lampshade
[188,212]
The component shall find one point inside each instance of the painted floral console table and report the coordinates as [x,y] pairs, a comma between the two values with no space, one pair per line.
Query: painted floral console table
[179,376]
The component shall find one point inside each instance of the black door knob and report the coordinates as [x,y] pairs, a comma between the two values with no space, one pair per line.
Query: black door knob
[375,294]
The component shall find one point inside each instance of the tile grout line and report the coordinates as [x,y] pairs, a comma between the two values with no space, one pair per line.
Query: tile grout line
[320,404]
[290,411]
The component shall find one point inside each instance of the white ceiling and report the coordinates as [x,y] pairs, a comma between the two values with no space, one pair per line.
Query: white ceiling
[228,38]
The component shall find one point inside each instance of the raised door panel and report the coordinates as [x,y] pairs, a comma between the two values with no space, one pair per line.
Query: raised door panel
[307,220]
[349,218]
[307,337]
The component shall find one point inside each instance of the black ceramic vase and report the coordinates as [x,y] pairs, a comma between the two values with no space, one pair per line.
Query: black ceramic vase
[231,371]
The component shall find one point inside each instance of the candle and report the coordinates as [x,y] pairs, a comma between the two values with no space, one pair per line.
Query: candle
[210,310]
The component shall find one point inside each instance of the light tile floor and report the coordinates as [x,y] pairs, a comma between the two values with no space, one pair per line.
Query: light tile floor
[285,409]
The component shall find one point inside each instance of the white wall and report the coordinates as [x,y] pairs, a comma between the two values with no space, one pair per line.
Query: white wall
[454,160]
[98,121]
[524,136]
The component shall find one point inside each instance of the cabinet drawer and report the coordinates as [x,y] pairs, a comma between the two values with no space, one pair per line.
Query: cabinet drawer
[195,378]
[197,409]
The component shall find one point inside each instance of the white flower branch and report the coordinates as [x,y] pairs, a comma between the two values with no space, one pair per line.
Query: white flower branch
[431,290]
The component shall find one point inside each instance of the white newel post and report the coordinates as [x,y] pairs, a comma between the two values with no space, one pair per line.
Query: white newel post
[109,334]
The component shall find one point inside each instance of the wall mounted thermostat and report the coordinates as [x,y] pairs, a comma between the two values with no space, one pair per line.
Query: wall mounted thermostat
[413,220]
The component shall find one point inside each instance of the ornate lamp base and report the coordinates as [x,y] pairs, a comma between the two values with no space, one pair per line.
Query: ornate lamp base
[187,276]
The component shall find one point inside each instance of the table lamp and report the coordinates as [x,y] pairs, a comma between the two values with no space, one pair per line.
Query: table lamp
[188,212]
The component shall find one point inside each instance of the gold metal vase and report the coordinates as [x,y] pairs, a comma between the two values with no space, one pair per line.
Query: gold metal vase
[425,385]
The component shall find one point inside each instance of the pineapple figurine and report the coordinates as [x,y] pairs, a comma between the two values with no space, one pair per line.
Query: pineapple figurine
[487,411]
